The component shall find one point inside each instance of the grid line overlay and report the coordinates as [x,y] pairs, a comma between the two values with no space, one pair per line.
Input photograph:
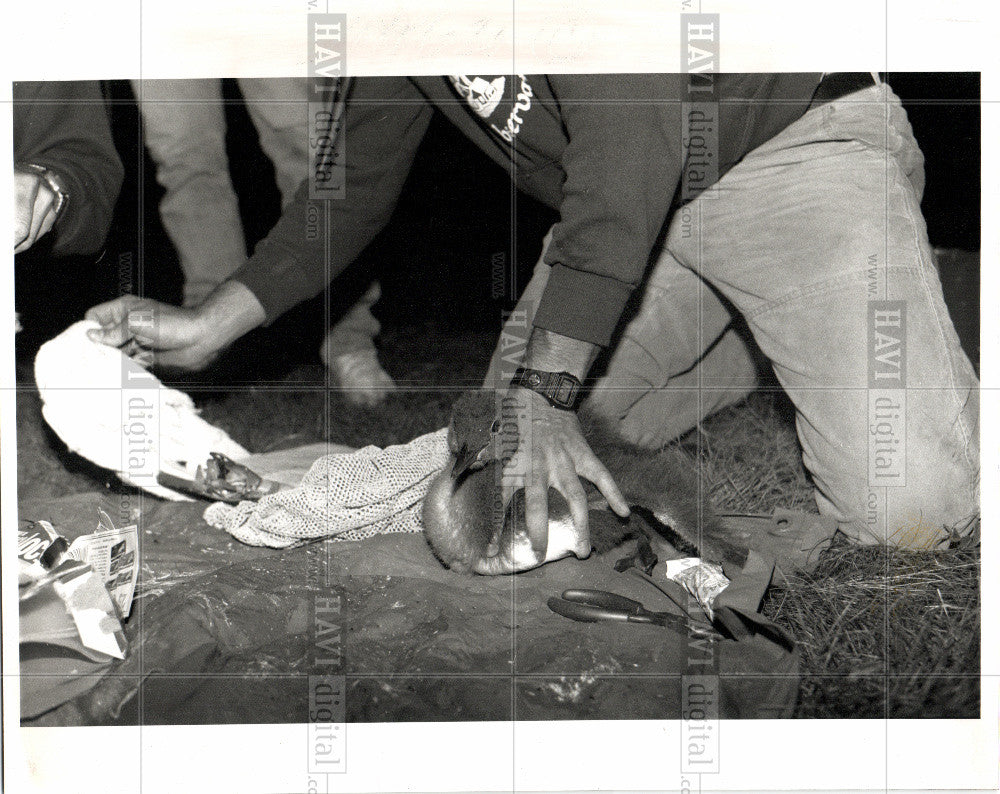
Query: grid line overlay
[286,387]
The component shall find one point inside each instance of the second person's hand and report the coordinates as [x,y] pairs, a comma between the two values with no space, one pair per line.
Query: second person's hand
[174,336]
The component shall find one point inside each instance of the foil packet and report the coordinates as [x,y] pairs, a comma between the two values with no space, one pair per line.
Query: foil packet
[703,580]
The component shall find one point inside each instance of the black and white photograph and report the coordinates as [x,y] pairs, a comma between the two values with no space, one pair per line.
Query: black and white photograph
[499,420]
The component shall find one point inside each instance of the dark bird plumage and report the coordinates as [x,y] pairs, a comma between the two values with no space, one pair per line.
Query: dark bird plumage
[469,529]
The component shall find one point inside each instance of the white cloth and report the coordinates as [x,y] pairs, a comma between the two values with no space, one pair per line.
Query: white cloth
[110,410]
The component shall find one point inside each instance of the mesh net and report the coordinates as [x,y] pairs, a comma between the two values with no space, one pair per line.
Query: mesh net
[347,496]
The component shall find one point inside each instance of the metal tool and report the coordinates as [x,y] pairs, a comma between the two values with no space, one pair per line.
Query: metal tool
[594,606]
[221,479]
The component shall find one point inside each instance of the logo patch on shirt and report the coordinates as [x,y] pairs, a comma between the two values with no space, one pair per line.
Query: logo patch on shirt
[522,103]
[483,96]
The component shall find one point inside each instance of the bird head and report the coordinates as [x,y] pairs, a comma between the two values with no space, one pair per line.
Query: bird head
[472,432]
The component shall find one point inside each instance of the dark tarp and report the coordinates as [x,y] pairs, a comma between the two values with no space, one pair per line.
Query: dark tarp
[226,633]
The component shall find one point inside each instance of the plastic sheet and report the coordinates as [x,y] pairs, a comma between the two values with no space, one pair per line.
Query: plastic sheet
[106,407]
[225,633]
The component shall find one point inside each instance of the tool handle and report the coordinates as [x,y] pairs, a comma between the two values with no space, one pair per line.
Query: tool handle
[585,613]
[605,600]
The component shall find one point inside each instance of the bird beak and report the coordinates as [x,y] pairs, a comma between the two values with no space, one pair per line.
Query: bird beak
[468,459]
[463,459]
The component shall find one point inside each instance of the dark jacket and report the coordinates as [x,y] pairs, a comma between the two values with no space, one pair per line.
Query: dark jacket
[607,151]
[63,126]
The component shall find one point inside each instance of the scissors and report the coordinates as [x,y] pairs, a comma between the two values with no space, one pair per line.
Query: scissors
[594,606]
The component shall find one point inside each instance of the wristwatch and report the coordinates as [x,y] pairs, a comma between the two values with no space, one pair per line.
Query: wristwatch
[561,389]
[55,183]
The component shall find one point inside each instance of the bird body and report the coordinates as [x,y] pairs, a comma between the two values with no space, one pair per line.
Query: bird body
[470,529]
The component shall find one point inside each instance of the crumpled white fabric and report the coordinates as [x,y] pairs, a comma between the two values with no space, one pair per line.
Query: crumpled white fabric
[346,496]
[110,410]
[95,398]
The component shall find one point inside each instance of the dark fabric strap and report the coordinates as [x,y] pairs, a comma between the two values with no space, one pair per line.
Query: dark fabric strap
[561,389]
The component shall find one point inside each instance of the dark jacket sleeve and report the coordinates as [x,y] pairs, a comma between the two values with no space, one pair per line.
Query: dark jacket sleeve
[386,119]
[63,126]
[623,163]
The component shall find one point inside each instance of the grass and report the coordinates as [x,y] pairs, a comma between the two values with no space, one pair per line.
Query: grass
[886,633]
[882,632]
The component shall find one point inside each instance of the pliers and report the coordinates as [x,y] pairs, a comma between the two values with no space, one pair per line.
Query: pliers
[221,479]
[594,606]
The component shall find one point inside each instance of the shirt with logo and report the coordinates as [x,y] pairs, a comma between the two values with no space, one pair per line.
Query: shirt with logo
[615,155]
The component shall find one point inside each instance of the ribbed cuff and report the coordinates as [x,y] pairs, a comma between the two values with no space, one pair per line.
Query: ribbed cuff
[277,279]
[582,305]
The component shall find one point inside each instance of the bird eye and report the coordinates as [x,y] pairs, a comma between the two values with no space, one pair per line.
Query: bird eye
[495,426]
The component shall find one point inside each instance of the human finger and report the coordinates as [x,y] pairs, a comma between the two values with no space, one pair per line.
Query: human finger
[569,485]
[25,191]
[40,213]
[112,316]
[536,513]
[592,469]
[191,357]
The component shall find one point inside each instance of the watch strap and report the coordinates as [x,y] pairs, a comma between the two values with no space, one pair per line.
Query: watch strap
[561,389]
[55,183]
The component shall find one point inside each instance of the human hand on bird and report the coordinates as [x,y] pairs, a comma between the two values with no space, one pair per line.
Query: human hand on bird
[552,453]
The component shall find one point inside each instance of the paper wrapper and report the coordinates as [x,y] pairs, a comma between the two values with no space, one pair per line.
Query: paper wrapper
[113,555]
[76,575]
[703,580]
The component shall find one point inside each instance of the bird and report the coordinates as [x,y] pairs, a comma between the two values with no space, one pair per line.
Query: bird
[470,530]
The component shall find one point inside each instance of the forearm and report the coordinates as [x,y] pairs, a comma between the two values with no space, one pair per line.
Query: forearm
[315,240]
[229,312]
[622,164]
[64,127]
[552,352]
[555,453]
